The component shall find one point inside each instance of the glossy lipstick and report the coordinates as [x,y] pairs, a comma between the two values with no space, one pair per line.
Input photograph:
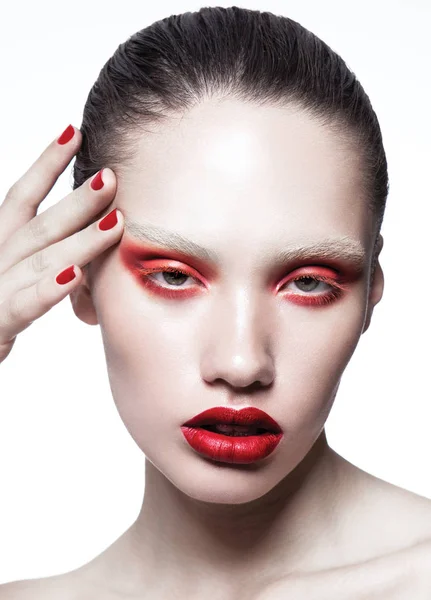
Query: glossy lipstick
[244,449]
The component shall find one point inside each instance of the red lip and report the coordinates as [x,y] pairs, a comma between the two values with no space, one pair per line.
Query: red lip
[232,449]
[228,416]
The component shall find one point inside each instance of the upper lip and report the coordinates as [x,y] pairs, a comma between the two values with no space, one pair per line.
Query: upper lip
[229,416]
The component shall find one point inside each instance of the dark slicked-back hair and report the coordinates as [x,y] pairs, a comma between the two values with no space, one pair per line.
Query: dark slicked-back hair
[257,57]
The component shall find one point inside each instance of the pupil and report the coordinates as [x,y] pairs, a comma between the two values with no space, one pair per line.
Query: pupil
[311,280]
[174,275]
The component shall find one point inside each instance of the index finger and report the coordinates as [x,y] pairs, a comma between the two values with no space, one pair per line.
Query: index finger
[26,194]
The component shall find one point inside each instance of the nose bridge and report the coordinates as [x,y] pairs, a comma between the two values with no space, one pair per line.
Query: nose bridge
[237,339]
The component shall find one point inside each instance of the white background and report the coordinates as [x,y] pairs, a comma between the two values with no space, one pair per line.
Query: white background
[71,477]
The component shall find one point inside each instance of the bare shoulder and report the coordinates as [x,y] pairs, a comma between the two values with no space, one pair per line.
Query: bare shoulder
[24,589]
[58,587]
[385,543]
[46,587]
[381,518]
[401,575]
[404,575]
[403,516]
[420,568]
[388,546]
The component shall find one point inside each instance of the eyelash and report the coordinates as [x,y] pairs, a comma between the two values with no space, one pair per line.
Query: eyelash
[337,289]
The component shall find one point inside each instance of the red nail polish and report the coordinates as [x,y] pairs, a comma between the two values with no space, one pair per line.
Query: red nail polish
[109,221]
[66,275]
[97,183]
[67,135]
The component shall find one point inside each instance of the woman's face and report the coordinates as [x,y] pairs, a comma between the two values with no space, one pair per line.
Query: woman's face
[245,184]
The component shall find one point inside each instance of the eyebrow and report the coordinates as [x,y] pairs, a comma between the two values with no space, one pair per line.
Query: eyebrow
[341,247]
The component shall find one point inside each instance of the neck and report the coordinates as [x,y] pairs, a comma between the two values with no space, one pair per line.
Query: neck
[185,541]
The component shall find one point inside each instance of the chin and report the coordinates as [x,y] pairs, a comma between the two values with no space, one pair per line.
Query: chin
[210,481]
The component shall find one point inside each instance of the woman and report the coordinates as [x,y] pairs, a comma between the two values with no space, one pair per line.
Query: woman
[224,231]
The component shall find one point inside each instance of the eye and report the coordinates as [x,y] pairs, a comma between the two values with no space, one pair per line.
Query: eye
[172,276]
[169,281]
[308,283]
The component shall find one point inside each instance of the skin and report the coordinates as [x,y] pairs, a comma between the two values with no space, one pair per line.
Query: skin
[247,183]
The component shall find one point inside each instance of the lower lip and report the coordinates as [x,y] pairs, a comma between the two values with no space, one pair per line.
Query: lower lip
[231,449]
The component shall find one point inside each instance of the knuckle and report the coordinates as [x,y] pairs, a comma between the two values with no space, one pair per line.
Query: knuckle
[81,238]
[38,262]
[80,204]
[12,193]
[12,310]
[37,228]
[39,294]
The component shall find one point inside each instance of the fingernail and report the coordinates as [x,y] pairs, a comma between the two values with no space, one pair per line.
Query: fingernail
[67,135]
[66,275]
[97,183]
[109,221]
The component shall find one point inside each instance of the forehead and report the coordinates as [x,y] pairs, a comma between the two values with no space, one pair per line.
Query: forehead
[228,166]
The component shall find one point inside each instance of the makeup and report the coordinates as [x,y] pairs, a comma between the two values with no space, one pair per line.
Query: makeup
[233,436]
[150,264]
[231,449]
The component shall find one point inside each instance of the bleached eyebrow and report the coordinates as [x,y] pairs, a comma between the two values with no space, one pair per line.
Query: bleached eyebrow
[342,247]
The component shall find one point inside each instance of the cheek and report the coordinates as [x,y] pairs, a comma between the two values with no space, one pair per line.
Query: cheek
[322,348]
[313,356]
[151,366]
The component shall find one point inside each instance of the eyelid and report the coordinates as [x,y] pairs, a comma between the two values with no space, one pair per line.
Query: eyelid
[336,282]
[134,251]
[324,274]
[336,290]
[156,267]
[165,264]
[139,254]
[162,265]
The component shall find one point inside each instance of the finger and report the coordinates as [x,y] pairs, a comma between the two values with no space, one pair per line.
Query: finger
[28,304]
[59,221]
[80,249]
[25,195]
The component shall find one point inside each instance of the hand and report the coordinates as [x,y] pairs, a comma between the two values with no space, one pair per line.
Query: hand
[35,249]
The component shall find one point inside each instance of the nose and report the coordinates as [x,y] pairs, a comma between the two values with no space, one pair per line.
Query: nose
[236,346]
